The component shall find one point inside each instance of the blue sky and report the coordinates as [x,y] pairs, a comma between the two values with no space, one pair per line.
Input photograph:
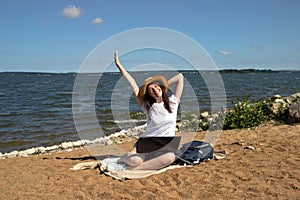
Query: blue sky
[57,35]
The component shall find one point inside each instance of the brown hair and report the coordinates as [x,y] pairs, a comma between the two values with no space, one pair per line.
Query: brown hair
[149,101]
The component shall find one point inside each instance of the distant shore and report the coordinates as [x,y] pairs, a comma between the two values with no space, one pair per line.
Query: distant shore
[222,71]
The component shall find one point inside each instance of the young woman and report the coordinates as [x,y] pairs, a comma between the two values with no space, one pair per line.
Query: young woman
[161,113]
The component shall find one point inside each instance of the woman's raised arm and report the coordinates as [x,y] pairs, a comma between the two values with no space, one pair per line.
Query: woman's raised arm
[177,80]
[130,80]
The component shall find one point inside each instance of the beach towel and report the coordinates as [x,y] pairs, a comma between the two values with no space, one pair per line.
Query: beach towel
[86,165]
[110,167]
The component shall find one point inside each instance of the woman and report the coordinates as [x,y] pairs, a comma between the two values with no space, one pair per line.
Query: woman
[161,113]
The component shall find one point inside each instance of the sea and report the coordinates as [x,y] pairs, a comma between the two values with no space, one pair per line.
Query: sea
[44,109]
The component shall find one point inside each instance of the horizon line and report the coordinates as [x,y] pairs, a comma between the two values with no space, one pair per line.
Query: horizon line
[184,70]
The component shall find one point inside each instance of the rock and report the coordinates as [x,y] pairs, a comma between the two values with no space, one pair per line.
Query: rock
[22,154]
[293,98]
[178,125]
[296,95]
[78,143]
[214,116]
[239,142]
[67,145]
[209,120]
[30,151]
[12,154]
[259,149]
[277,96]
[294,112]
[109,142]
[249,147]
[40,149]
[2,156]
[220,154]
[117,134]
[52,148]
[100,141]
[280,101]
[204,114]
[278,105]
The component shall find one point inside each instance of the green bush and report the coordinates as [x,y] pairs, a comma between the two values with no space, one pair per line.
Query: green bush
[247,114]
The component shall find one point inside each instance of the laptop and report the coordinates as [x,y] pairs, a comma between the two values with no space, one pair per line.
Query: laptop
[151,144]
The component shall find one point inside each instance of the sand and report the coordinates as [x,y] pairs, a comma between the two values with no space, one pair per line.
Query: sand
[269,171]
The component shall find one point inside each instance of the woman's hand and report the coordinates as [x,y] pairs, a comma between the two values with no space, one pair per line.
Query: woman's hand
[118,64]
[117,61]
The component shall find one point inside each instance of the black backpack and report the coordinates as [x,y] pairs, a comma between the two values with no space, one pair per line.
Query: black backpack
[194,152]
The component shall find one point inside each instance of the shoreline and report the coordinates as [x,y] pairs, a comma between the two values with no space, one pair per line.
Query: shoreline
[115,138]
[204,120]
[269,170]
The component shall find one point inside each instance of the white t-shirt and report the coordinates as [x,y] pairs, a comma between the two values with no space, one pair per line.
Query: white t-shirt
[161,123]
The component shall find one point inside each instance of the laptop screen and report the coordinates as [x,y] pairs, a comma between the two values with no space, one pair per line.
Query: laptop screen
[151,144]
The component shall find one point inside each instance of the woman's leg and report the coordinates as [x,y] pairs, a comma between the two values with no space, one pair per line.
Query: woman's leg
[157,162]
[131,159]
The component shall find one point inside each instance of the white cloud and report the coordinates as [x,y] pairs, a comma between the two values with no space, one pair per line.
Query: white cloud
[255,47]
[223,52]
[72,12]
[98,20]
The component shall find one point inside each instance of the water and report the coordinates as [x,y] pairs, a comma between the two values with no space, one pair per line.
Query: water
[36,108]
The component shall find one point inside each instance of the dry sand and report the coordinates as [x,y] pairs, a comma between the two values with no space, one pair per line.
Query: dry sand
[270,171]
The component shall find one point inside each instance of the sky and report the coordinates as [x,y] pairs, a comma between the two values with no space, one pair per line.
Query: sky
[58,35]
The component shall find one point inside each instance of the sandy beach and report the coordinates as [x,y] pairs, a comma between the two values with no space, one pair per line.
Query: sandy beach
[262,163]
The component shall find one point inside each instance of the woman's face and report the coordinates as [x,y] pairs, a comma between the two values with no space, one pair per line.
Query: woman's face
[155,91]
